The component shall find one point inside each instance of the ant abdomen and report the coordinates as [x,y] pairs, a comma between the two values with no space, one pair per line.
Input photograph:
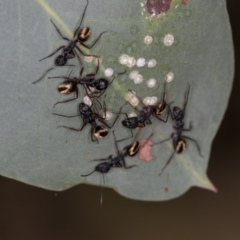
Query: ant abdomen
[67,87]
[180,145]
[84,34]
[133,149]
[100,132]
[160,109]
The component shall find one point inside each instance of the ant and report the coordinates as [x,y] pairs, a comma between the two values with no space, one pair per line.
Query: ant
[117,160]
[88,116]
[179,140]
[88,81]
[80,36]
[148,111]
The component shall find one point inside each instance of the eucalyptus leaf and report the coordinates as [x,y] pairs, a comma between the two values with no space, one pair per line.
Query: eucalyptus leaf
[191,44]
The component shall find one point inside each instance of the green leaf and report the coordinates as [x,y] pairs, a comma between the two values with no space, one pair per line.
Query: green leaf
[34,151]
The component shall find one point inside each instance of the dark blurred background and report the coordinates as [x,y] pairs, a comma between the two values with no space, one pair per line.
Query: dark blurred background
[27,212]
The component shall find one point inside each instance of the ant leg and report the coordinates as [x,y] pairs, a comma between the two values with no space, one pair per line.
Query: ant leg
[169,160]
[98,96]
[127,167]
[188,129]
[169,111]
[101,159]
[48,71]
[81,71]
[118,115]
[59,32]
[87,90]
[160,118]
[115,141]
[74,129]
[102,119]
[165,140]
[68,100]
[92,134]
[193,140]
[94,41]
[52,53]
[63,77]
[99,105]
[97,68]
[83,15]
[118,165]
[186,98]
[65,115]
[79,60]
[43,75]
[86,55]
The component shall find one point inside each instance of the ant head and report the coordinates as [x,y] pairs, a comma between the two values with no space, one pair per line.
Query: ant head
[84,34]
[181,146]
[83,107]
[60,60]
[133,149]
[103,167]
[102,84]
[100,132]
[67,87]
[178,113]
[131,122]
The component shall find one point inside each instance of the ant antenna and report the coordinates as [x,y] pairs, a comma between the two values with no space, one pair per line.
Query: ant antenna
[88,173]
[166,164]
[79,26]
[48,70]
[117,75]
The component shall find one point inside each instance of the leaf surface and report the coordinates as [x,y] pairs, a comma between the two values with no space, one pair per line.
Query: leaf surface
[34,151]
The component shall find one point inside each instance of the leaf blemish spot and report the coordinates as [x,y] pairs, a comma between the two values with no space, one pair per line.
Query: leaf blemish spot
[108,115]
[132,115]
[151,82]
[87,101]
[141,62]
[150,100]
[88,58]
[127,60]
[133,74]
[108,72]
[138,79]
[152,63]
[168,40]
[169,77]
[123,59]
[148,39]
[145,150]
[156,7]
[132,99]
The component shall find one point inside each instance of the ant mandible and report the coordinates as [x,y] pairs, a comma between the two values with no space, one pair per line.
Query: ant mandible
[148,110]
[88,116]
[117,160]
[80,36]
[88,81]
[179,140]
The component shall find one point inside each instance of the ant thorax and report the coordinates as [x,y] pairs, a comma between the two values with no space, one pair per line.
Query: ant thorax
[145,114]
